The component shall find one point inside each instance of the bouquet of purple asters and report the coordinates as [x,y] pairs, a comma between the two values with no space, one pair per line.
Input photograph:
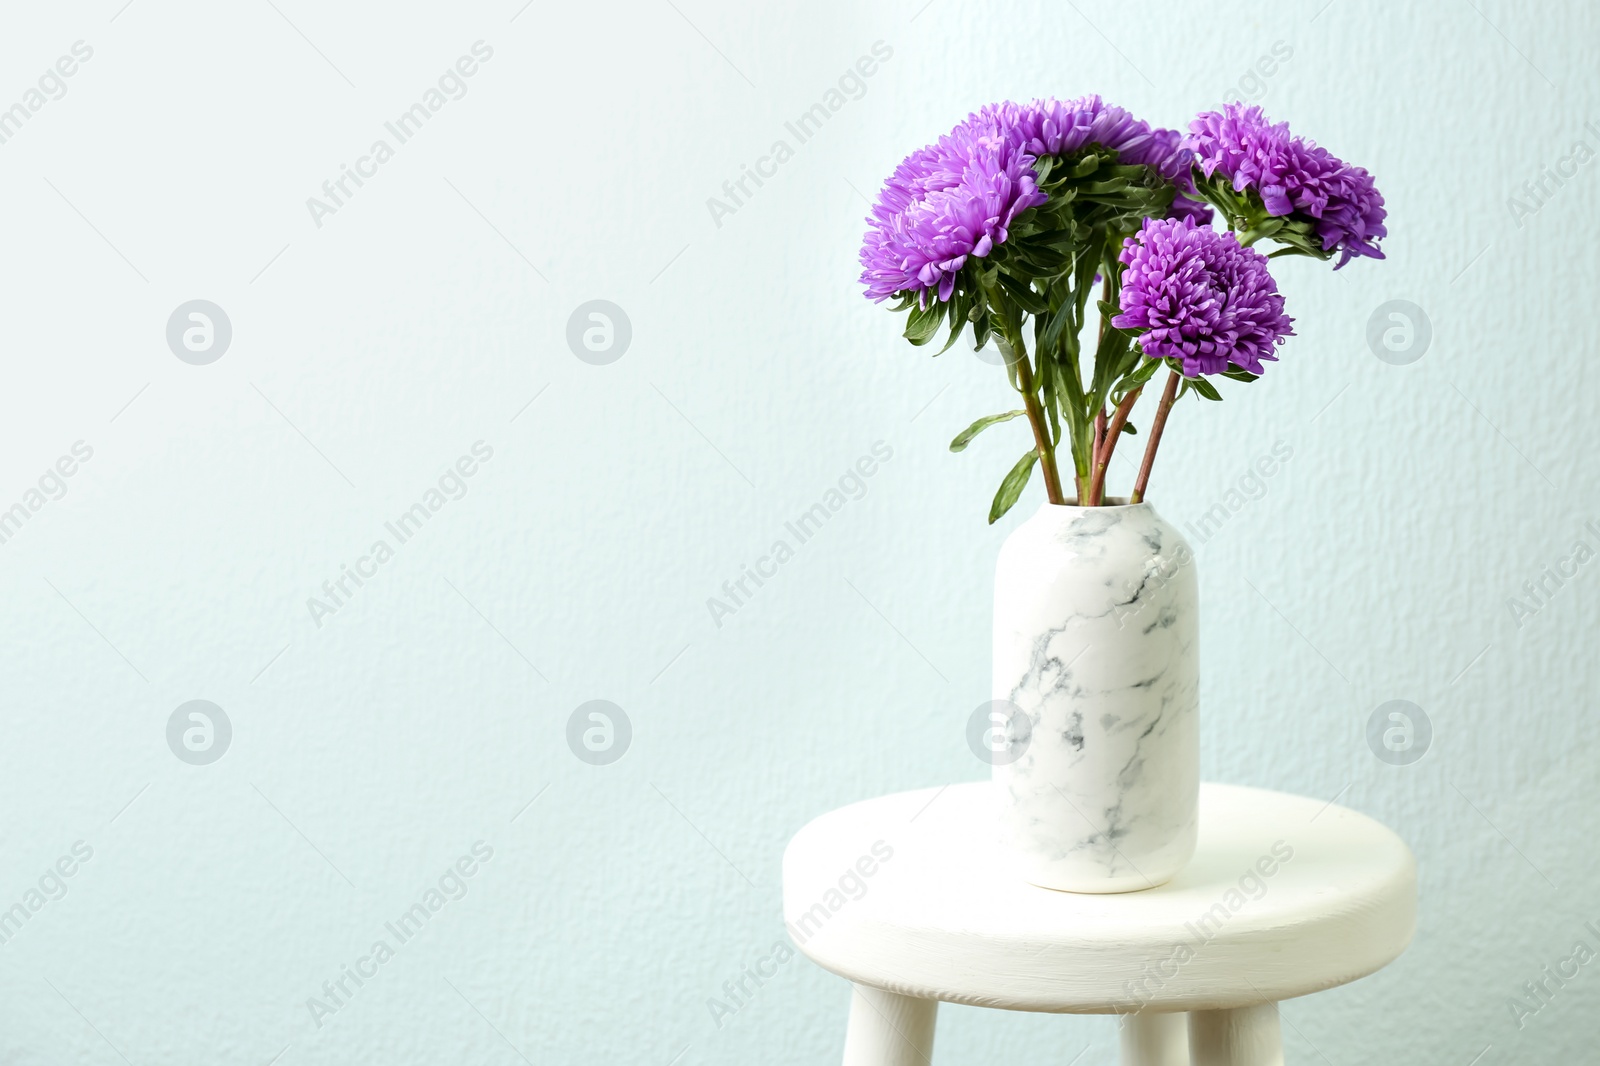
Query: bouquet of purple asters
[1013,221]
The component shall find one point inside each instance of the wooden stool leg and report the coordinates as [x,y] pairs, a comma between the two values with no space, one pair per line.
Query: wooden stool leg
[1243,1036]
[1151,1039]
[887,1029]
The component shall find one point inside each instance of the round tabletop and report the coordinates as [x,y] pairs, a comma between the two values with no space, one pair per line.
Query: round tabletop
[1285,895]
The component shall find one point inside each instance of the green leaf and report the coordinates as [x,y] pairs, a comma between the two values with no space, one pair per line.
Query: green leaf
[923,324]
[960,301]
[1055,322]
[1060,238]
[1141,374]
[1204,388]
[1011,488]
[1009,356]
[1023,294]
[956,326]
[964,438]
[1128,428]
[1113,358]
[1106,188]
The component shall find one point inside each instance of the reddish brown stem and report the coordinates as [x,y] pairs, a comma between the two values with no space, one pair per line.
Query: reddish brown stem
[1097,488]
[1099,431]
[1167,397]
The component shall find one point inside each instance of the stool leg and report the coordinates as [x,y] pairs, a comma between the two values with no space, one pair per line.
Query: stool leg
[1151,1039]
[1243,1036]
[887,1029]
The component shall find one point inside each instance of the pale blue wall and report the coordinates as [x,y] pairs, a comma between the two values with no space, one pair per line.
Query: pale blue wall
[421,317]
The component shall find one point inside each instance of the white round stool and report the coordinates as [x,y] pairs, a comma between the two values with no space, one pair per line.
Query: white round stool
[911,898]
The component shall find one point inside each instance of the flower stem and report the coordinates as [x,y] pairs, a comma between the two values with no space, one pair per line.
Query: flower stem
[1103,456]
[1167,397]
[1041,431]
[1085,443]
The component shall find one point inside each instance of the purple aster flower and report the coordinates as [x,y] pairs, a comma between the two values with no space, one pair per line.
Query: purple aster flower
[1293,176]
[1054,127]
[943,203]
[959,197]
[1194,294]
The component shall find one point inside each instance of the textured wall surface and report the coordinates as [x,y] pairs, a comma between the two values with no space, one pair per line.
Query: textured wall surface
[420,720]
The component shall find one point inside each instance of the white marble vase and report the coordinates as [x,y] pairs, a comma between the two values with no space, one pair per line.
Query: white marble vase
[1097,674]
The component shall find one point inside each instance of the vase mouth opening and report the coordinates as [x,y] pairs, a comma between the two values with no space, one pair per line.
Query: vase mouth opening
[1112,503]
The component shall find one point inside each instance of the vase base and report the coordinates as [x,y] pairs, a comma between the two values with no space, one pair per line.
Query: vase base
[1104,887]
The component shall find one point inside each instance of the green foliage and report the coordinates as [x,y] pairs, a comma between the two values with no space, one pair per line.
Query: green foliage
[1248,217]
[1203,388]
[965,437]
[925,321]
[1013,484]
[1139,376]
[1056,259]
